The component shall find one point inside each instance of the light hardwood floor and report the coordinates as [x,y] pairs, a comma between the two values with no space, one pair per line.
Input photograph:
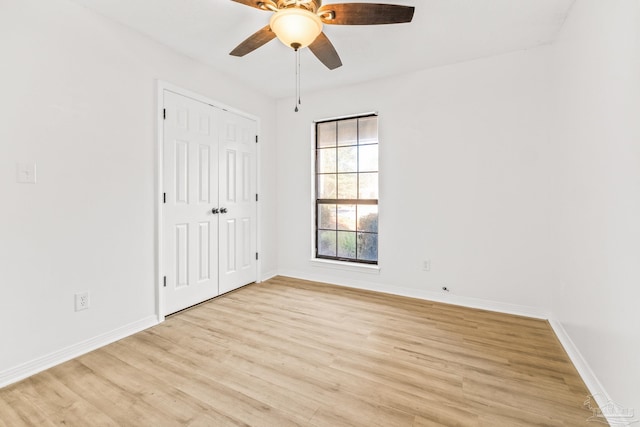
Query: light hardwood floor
[288,352]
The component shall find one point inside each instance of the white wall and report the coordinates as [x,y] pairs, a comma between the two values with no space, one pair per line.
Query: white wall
[517,175]
[464,182]
[597,109]
[78,97]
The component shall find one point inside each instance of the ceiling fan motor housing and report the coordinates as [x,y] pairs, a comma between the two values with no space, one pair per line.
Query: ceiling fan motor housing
[310,5]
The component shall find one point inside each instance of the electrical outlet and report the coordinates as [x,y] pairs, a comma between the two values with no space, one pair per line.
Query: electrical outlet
[82,301]
[26,173]
[426,265]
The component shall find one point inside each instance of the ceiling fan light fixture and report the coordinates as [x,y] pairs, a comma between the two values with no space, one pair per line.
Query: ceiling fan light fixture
[296,27]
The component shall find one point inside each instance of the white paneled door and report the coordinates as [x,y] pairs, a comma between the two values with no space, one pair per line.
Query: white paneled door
[237,201]
[208,222]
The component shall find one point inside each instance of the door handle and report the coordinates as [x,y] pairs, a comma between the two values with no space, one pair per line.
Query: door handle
[223,210]
[215,211]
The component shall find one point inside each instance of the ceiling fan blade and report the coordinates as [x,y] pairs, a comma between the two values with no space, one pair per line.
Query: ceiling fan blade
[325,52]
[365,13]
[251,3]
[254,41]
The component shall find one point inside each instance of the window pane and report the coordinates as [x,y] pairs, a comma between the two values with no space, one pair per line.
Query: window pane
[368,159]
[346,244]
[327,160]
[368,130]
[326,134]
[347,217]
[368,218]
[346,175]
[327,243]
[327,216]
[368,185]
[347,186]
[368,247]
[348,132]
[327,186]
[348,159]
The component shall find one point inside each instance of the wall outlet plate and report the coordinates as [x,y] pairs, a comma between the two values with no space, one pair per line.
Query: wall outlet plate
[82,301]
[26,173]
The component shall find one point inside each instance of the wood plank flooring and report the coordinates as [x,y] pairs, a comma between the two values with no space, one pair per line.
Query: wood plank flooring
[294,353]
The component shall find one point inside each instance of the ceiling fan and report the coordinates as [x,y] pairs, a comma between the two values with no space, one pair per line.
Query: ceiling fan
[298,24]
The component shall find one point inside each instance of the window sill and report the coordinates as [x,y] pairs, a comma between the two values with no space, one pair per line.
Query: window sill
[346,266]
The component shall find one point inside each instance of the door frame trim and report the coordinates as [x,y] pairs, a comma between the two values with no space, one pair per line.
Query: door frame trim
[159,235]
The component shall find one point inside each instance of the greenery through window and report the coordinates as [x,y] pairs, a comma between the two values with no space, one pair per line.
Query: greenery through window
[347,189]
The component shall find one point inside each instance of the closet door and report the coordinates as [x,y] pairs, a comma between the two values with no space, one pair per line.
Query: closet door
[237,142]
[190,228]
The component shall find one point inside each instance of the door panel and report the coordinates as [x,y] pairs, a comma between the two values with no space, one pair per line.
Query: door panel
[181,192]
[204,251]
[204,174]
[230,234]
[182,255]
[230,178]
[246,244]
[237,194]
[190,152]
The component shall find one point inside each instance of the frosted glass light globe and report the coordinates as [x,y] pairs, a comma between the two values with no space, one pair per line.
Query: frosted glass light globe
[295,26]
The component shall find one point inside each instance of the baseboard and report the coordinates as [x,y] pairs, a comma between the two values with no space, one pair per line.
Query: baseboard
[478,303]
[268,275]
[40,364]
[588,376]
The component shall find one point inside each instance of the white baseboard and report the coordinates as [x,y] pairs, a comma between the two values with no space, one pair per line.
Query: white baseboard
[40,364]
[268,275]
[588,376]
[501,307]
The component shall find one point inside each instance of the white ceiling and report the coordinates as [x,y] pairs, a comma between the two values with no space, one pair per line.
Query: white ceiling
[442,32]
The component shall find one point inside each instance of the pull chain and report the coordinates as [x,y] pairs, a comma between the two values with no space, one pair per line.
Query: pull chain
[299,76]
[297,64]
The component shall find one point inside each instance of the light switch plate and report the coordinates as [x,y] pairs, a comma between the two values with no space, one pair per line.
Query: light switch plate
[26,173]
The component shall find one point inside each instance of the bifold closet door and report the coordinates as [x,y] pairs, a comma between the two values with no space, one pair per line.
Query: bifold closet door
[190,228]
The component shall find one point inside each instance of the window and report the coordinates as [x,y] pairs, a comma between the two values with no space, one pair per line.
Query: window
[347,189]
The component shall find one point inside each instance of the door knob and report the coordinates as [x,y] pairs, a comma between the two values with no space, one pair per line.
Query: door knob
[223,210]
[215,211]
